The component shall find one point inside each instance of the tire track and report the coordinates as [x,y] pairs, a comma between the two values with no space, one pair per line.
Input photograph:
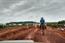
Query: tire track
[20,35]
[41,38]
[31,34]
[53,37]
[12,31]
[11,34]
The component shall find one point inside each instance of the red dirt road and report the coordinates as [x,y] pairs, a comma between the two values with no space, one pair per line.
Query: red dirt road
[33,33]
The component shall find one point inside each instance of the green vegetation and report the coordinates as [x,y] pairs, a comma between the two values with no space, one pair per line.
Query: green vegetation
[57,24]
[61,22]
[2,26]
[52,24]
[30,23]
[20,23]
[12,24]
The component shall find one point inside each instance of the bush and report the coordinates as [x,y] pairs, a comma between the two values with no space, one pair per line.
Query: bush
[1,25]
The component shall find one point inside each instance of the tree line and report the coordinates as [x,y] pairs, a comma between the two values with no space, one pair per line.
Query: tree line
[53,24]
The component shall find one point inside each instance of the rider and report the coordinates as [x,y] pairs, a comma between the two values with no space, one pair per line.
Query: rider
[42,24]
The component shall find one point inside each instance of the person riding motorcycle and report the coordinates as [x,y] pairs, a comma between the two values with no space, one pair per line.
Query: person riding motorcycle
[42,24]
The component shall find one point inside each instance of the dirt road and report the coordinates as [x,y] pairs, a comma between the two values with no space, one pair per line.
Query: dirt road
[33,33]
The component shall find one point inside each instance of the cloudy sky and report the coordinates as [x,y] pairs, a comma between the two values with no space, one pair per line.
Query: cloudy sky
[32,10]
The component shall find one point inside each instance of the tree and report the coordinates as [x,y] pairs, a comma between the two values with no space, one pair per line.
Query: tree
[61,22]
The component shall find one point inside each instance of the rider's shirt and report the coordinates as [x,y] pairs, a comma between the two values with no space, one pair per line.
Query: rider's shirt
[42,21]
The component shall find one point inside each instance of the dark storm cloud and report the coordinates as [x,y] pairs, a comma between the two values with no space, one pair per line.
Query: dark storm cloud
[20,8]
[7,3]
[50,6]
